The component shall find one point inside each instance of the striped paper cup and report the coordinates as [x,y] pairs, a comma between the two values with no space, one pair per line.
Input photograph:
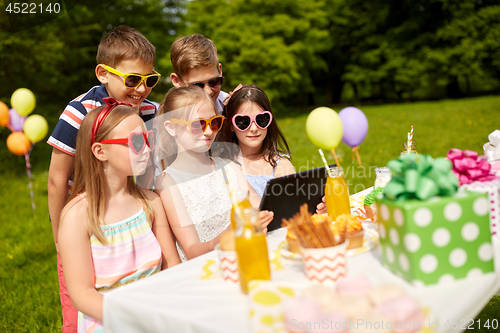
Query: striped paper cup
[325,265]
[228,264]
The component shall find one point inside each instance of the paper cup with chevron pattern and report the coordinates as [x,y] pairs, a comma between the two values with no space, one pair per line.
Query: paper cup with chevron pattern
[325,265]
[228,264]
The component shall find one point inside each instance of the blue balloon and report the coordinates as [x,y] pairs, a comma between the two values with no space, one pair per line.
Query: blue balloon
[355,126]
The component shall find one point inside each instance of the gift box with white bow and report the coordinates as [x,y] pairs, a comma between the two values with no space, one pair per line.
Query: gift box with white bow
[492,151]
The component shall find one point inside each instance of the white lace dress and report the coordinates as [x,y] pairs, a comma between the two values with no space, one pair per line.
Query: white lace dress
[206,198]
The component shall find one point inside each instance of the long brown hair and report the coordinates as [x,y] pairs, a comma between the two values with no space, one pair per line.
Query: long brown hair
[176,104]
[274,143]
[89,172]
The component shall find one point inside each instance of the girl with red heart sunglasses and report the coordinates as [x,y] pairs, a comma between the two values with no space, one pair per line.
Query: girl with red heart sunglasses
[112,232]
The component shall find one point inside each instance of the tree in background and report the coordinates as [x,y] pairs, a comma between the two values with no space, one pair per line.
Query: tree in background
[388,50]
[56,60]
[299,52]
[272,43]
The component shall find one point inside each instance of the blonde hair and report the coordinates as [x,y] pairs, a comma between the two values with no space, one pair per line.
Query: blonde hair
[124,43]
[192,52]
[89,172]
[177,104]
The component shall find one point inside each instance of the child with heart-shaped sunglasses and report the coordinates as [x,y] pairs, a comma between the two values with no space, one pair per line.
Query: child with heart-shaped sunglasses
[193,187]
[264,150]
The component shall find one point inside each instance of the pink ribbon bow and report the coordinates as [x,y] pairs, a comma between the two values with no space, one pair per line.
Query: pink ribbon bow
[469,167]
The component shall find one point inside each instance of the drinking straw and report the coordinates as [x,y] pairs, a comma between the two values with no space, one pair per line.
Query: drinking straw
[325,162]
[336,159]
[232,195]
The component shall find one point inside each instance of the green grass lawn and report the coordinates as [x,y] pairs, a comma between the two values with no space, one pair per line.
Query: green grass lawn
[29,287]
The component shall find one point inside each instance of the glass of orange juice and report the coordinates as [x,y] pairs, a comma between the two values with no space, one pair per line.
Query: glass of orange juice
[251,249]
[336,193]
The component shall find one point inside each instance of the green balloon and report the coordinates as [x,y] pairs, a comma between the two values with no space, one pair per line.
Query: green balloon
[324,128]
[35,127]
[23,100]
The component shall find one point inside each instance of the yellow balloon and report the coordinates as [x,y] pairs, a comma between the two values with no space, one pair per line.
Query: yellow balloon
[324,128]
[18,143]
[35,127]
[23,100]
[4,114]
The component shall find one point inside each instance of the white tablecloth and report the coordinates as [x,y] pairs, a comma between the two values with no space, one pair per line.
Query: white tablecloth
[178,300]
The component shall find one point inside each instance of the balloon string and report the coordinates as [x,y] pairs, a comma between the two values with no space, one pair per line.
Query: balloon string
[355,150]
[30,179]
[336,159]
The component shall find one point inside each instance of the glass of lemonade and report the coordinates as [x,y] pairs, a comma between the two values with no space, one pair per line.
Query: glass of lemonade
[251,249]
[242,202]
[336,193]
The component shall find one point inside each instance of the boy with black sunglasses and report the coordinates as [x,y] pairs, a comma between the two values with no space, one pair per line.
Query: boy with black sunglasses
[125,60]
[195,62]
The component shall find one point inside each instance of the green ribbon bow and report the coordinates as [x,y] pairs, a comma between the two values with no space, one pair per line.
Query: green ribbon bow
[421,177]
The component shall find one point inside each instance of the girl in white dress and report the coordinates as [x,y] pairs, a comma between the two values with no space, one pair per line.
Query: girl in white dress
[193,187]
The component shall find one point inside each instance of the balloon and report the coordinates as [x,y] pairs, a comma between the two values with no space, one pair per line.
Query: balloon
[355,126]
[4,114]
[35,128]
[324,128]
[16,122]
[18,143]
[23,100]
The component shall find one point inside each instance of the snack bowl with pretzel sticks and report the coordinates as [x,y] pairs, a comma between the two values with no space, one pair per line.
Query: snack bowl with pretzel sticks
[323,251]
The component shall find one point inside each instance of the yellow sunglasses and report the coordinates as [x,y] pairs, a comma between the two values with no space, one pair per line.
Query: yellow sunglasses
[132,81]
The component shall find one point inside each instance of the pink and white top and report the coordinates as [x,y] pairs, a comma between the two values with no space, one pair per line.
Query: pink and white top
[132,253]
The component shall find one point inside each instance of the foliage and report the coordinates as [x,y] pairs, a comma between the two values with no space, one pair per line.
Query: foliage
[274,44]
[56,60]
[390,50]
[400,47]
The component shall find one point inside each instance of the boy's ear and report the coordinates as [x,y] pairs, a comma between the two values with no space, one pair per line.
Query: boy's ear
[220,68]
[99,152]
[170,128]
[101,73]
[176,80]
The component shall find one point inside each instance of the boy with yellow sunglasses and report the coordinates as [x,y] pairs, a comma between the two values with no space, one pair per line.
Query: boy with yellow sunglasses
[125,60]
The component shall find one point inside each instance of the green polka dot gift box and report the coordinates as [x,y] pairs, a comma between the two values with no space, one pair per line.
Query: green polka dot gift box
[429,232]
[436,241]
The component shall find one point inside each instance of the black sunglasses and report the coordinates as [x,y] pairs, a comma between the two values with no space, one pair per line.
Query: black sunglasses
[213,83]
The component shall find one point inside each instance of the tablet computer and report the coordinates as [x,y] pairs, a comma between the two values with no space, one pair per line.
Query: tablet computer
[284,195]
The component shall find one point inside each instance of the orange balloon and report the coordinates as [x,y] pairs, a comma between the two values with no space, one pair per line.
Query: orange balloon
[18,143]
[4,114]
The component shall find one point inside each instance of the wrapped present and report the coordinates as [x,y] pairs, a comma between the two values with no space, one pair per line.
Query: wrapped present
[474,174]
[469,167]
[492,188]
[492,152]
[429,232]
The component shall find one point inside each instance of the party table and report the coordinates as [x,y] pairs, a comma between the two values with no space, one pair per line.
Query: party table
[180,299]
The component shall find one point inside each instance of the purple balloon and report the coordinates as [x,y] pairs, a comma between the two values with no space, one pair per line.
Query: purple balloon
[355,126]
[16,121]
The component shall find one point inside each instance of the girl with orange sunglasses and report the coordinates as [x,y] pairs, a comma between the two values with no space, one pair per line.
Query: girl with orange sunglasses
[193,187]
